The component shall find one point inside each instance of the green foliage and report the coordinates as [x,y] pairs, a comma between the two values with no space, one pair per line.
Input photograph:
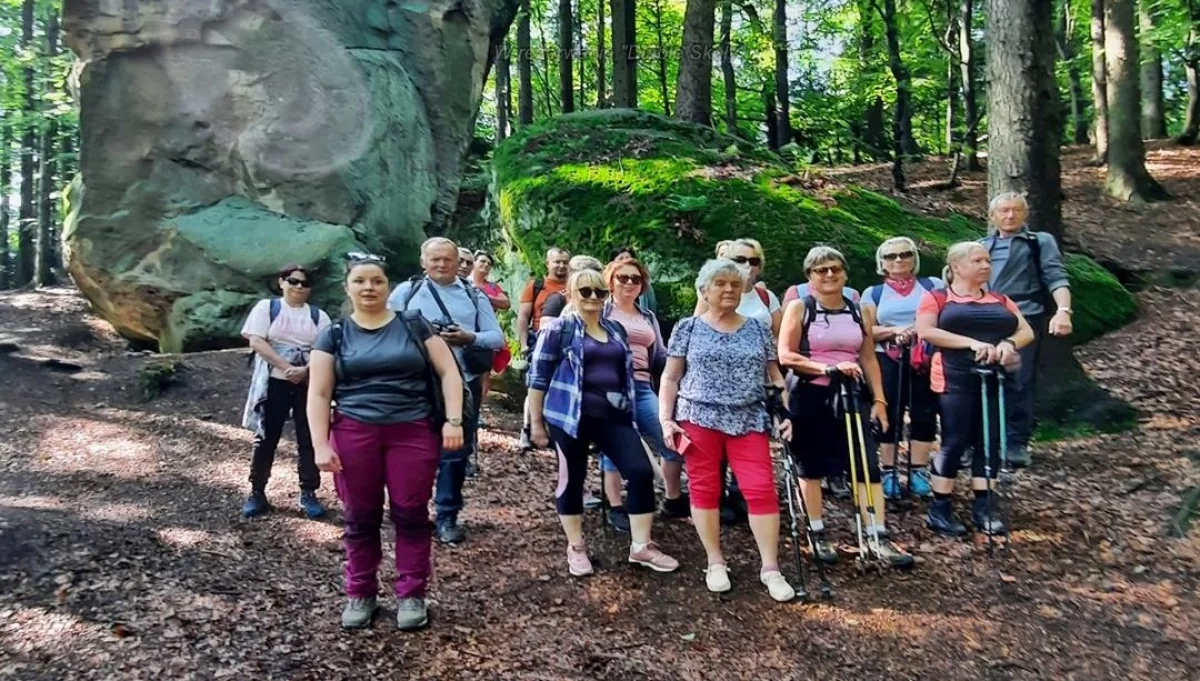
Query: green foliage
[594,180]
[157,376]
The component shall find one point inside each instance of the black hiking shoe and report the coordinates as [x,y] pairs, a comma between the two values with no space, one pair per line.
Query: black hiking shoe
[448,531]
[256,504]
[676,508]
[892,554]
[618,519]
[733,509]
[1018,457]
[941,519]
[825,551]
[979,517]
[838,486]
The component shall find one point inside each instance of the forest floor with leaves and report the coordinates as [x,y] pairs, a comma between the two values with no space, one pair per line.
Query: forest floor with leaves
[122,555]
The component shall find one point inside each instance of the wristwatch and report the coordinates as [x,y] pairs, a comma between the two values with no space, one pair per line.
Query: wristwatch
[457,423]
[1066,309]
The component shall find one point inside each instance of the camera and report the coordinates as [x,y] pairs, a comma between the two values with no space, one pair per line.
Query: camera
[443,325]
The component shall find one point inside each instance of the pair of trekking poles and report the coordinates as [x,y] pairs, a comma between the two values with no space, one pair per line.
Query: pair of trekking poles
[997,373]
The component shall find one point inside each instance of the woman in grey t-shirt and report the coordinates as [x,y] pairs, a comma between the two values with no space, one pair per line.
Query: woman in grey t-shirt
[381,436]
[712,404]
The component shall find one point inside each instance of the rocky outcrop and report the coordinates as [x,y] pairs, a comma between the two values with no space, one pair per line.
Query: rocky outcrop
[223,138]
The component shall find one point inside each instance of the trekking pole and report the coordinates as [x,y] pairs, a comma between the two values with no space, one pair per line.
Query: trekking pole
[898,424]
[844,395]
[788,484]
[822,578]
[984,372]
[872,518]
[1005,473]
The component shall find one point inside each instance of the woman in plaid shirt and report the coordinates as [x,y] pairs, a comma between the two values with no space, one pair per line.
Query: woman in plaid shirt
[581,392]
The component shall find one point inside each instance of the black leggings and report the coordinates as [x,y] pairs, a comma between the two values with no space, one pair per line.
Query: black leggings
[962,429]
[620,442]
[923,411]
[283,398]
[820,444]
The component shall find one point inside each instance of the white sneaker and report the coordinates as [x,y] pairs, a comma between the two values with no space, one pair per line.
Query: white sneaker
[716,578]
[777,586]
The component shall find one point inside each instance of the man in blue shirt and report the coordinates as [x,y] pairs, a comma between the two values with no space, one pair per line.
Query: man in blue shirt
[1027,267]
[463,317]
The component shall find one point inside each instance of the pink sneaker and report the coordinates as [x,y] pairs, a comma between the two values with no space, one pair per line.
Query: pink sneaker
[653,557]
[578,562]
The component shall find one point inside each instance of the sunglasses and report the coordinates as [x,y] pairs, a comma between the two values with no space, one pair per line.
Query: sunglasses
[635,279]
[589,292]
[362,256]
[302,283]
[827,271]
[743,260]
[906,255]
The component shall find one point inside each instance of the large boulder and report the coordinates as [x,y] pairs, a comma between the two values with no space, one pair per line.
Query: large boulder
[224,138]
[594,180]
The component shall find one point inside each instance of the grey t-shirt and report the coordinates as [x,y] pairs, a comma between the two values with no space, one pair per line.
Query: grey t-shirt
[382,377]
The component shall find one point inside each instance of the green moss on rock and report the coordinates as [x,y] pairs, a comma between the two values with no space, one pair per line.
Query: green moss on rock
[591,181]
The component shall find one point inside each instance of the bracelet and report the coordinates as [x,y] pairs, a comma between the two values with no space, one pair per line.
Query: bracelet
[881,401]
[1010,341]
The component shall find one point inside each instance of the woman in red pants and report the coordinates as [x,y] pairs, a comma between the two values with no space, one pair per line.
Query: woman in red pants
[382,436]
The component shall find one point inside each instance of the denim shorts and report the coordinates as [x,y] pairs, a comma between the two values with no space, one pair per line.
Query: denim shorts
[645,411]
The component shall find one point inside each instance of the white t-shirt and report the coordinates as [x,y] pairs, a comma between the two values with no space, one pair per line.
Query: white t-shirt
[752,306]
[293,326]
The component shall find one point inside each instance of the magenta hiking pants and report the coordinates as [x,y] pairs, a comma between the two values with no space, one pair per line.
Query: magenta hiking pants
[401,459]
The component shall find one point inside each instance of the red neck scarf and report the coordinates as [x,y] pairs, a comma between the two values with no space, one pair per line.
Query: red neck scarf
[902,285]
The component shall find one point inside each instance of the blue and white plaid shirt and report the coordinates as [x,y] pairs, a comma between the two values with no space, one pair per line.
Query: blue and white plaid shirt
[556,368]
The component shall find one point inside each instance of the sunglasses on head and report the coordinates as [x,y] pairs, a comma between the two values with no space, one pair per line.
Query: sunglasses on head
[302,283]
[635,279]
[906,255]
[827,270]
[754,261]
[362,256]
[589,292]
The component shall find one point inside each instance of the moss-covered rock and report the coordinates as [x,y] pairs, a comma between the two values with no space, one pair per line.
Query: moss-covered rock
[593,180]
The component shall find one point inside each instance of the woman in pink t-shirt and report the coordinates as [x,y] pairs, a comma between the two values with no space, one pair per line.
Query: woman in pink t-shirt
[822,340]
[499,300]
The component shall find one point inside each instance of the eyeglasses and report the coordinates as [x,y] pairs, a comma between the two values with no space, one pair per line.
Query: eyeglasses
[743,260]
[827,270]
[633,279]
[589,292]
[361,256]
[906,255]
[302,283]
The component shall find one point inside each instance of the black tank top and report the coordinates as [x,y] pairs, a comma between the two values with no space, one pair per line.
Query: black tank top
[987,319]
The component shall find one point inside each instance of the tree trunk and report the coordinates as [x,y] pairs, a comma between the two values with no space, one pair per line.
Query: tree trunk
[624,40]
[46,242]
[693,90]
[581,54]
[26,215]
[951,103]
[566,64]
[1191,126]
[1065,38]
[1127,177]
[730,80]
[783,127]
[1154,116]
[768,99]
[548,99]
[503,100]
[970,95]
[524,67]
[873,137]
[663,81]
[6,139]
[601,56]
[1099,82]
[902,139]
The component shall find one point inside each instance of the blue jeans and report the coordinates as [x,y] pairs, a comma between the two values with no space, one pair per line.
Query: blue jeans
[452,467]
[645,412]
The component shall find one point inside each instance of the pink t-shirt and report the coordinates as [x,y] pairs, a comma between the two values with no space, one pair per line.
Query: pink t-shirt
[641,340]
[293,326]
[834,338]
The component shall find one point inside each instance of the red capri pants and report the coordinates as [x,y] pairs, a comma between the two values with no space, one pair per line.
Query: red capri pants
[749,456]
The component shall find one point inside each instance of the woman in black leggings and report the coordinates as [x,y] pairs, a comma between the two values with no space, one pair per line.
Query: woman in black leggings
[970,327]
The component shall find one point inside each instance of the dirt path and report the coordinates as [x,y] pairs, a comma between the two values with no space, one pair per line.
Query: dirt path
[122,555]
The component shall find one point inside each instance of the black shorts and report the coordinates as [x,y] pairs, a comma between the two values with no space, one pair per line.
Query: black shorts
[819,435]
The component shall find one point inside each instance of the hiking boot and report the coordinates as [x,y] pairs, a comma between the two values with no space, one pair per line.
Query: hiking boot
[653,557]
[472,466]
[941,519]
[591,501]
[838,487]
[526,441]
[448,531]
[825,551]
[358,612]
[777,586]
[578,562]
[733,509]
[618,519]
[716,578]
[1018,457]
[920,483]
[411,613]
[891,485]
[892,554]
[311,505]
[979,517]
[677,508]
[256,504]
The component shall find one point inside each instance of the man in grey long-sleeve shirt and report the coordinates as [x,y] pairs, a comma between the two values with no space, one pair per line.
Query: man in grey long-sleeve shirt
[467,322]
[1027,267]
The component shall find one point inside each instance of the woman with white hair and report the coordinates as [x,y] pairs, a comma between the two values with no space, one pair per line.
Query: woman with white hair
[889,312]
[757,302]
[971,326]
[712,404]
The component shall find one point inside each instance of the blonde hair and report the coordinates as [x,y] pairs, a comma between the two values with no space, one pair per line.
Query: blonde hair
[579,279]
[956,253]
[879,268]
[752,244]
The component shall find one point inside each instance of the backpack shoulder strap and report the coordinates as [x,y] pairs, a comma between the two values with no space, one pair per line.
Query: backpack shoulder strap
[810,312]
[276,306]
[876,294]
[414,282]
[315,313]
[925,283]
[539,284]
[763,296]
[855,312]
